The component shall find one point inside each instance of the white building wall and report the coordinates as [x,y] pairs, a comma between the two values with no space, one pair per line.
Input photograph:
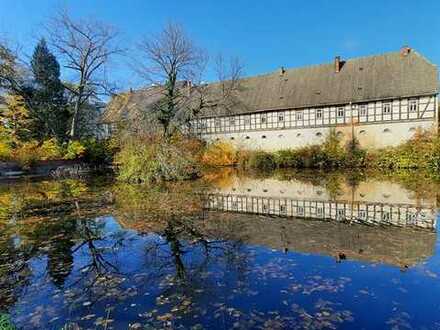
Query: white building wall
[375,124]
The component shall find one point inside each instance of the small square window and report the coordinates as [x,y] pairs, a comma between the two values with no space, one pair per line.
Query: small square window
[217,123]
[280,117]
[299,115]
[232,121]
[386,216]
[341,112]
[318,113]
[386,108]
[363,110]
[413,105]
[263,118]
[247,120]
[411,218]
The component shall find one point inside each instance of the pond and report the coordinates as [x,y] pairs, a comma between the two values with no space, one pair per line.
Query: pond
[281,250]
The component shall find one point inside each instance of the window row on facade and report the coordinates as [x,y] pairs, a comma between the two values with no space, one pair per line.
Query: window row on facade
[396,110]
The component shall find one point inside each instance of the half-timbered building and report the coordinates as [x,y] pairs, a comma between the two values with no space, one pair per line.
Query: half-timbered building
[381,100]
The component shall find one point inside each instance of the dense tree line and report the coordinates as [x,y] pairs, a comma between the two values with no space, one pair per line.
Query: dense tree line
[40,105]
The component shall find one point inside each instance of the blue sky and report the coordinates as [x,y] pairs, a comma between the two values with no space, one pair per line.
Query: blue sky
[264,34]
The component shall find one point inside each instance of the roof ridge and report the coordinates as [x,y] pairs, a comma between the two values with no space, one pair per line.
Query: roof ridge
[311,66]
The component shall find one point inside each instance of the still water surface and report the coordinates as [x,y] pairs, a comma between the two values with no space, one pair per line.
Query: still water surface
[279,251]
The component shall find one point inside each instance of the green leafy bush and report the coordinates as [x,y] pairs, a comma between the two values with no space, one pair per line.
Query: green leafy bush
[74,150]
[152,159]
[262,160]
[98,151]
[288,158]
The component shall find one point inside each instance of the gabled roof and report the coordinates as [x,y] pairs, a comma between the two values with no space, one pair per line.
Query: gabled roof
[386,76]
[128,105]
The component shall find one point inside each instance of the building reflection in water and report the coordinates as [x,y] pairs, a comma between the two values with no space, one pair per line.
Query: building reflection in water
[372,220]
[369,202]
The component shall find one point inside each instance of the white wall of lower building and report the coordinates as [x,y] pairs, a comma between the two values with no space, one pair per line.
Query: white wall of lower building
[369,135]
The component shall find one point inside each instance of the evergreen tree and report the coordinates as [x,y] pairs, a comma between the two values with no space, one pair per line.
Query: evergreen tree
[50,110]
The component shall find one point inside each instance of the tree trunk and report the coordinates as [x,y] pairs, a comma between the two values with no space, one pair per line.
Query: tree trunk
[75,119]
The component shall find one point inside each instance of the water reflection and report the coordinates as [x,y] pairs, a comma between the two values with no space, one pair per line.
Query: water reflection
[233,251]
[370,201]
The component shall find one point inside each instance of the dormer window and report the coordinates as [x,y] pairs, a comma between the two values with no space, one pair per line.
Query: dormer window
[386,108]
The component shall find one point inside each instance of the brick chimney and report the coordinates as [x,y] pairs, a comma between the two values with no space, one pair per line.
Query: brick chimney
[405,50]
[282,71]
[338,64]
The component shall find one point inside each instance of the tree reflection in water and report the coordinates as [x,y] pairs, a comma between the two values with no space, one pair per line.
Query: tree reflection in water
[112,255]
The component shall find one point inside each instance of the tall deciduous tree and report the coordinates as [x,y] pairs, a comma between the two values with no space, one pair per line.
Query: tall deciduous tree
[172,61]
[14,78]
[85,46]
[49,103]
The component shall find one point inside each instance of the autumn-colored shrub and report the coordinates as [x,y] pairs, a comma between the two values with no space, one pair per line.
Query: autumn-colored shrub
[50,149]
[220,154]
[422,151]
[150,158]
[5,151]
[27,153]
[74,150]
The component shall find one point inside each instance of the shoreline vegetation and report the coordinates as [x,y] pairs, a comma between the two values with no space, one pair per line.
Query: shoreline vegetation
[151,158]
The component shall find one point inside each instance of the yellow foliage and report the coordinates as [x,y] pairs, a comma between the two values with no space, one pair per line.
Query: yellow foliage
[75,150]
[27,153]
[16,117]
[5,151]
[220,154]
[50,150]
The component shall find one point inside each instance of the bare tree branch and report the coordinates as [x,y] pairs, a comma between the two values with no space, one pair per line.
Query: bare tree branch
[172,61]
[86,47]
